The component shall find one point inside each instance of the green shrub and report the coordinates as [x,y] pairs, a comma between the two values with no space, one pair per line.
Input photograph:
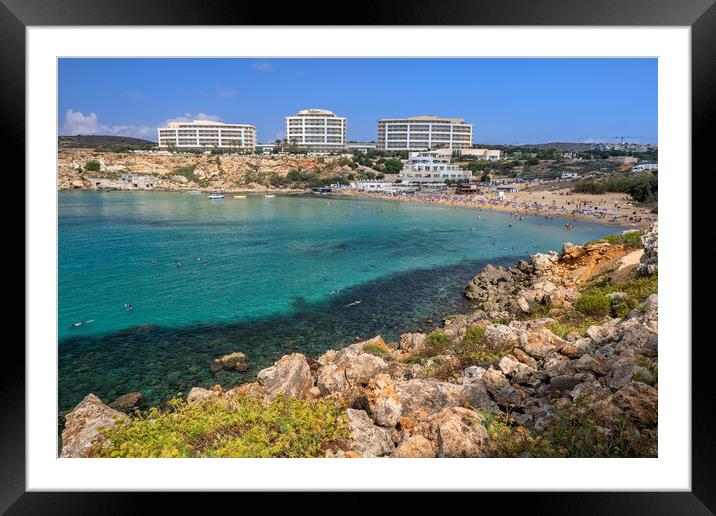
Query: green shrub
[436,343]
[472,350]
[379,351]
[593,305]
[572,321]
[572,432]
[643,189]
[650,379]
[635,291]
[187,172]
[92,166]
[244,426]
[631,239]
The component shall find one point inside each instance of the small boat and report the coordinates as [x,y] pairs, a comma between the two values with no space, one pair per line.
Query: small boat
[194,192]
[270,195]
[216,196]
[239,197]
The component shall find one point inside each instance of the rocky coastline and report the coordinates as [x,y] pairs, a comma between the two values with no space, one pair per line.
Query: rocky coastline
[558,358]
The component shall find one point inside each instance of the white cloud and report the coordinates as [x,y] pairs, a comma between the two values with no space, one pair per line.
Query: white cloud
[188,117]
[77,122]
[262,66]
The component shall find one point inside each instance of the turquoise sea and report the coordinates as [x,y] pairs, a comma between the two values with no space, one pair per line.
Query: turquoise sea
[264,276]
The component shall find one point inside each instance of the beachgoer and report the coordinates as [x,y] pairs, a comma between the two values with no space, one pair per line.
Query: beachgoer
[127,306]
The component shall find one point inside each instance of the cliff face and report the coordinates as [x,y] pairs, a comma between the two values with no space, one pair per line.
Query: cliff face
[558,359]
[187,172]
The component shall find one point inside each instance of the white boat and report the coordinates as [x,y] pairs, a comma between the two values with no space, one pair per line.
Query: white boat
[270,195]
[239,197]
[216,196]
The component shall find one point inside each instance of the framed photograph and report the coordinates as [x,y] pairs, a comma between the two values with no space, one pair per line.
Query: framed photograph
[416,252]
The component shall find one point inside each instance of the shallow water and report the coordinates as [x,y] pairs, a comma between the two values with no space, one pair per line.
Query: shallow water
[260,275]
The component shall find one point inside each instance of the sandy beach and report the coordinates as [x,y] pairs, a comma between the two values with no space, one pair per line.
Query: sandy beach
[609,208]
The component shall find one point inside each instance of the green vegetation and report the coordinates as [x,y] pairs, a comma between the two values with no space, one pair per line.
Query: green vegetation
[571,322]
[539,311]
[593,305]
[634,290]
[643,189]
[472,349]
[509,441]
[244,426]
[187,172]
[572,431]
[653,377]
[92,166]
[630,239]
[381,351]
[391,165]
[436,343]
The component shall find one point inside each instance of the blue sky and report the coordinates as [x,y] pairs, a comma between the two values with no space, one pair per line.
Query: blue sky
[509,101]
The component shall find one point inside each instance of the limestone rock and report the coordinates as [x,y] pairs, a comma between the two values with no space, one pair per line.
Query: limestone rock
[82,426]
[290,376]
[456,432]
[541,342]
[365,437]
[499,336]
[344,372]
[233,361]
[412,342]
[383,401]
[415,446]
[200,394]
[471,374]
[431,396]
[639,401]
[649,262]
[127,401]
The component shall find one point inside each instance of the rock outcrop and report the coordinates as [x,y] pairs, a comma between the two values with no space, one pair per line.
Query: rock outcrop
[82,425]
[649,262]
[547,280]
[290,376]
[233,361]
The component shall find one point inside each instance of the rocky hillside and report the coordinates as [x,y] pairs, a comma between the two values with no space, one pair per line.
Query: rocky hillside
[76,168]
[102,142]
[558,359]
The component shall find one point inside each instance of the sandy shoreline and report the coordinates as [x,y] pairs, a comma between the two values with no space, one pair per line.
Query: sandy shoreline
[550,204]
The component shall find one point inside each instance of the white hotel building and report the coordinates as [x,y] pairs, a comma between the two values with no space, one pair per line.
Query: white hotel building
[317,130]
[207,134]
[423,133]
[428,167]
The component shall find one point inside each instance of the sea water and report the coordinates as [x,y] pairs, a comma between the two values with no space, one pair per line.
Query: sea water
[264,276]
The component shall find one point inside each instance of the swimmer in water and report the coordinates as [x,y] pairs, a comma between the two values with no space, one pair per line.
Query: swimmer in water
[128,306]
[178,265]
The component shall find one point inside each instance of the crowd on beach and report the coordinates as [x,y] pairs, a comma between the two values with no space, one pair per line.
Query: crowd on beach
[619,212]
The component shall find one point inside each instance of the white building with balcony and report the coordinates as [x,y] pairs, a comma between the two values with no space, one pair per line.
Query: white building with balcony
[317,130]
[423,133]
[207,134]
[429,167]
[479,154]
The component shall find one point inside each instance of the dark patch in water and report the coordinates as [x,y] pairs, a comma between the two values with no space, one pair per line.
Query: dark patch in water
[162,361]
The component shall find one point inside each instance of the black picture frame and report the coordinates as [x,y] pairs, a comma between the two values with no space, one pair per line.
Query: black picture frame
[17,15]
